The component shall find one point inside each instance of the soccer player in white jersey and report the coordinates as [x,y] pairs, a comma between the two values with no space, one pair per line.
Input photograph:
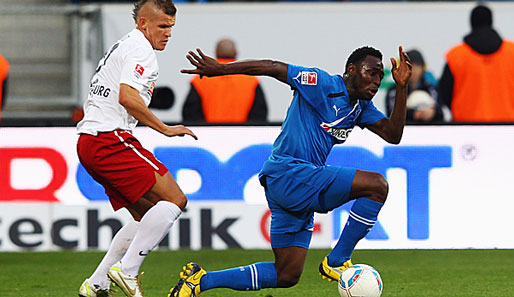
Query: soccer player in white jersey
[120,91]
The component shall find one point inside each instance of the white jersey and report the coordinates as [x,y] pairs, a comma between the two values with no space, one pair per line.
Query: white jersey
[130,61]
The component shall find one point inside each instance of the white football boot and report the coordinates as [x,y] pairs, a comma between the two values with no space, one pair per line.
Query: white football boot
[88,289]
[129,285]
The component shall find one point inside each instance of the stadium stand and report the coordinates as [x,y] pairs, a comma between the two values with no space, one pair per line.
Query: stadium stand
[39,50]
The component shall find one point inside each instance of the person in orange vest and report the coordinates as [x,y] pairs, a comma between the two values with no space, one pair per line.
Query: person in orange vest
[4,72]
[225,99]
[478,80]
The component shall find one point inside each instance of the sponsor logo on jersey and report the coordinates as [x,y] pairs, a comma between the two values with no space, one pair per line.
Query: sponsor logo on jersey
[307,78]
[312,78]
[340,133]
[336,109]
[139,70]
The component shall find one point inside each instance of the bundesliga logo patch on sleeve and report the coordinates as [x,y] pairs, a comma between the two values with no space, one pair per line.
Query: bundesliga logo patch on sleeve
[139,70]
[309,78]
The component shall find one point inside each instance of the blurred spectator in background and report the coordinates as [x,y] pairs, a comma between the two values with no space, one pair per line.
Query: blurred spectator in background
[225,99]
[478,80]
[4,72]
[422,100]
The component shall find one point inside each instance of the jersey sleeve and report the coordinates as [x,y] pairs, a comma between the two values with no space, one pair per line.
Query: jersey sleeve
[313,84]
[370,115]
[138,65]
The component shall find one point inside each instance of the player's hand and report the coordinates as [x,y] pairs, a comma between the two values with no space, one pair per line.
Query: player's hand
[178,130]
[205,65]
[403,71]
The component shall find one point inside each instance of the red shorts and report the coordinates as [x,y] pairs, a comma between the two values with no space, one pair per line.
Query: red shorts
[119,163]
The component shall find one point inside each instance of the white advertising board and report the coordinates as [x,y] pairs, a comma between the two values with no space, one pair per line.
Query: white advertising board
[449,188]
[52,226]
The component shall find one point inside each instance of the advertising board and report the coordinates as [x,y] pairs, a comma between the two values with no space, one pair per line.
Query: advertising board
[448,188]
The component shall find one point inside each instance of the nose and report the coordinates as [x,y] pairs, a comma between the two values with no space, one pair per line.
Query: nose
[377,81]
[168,33]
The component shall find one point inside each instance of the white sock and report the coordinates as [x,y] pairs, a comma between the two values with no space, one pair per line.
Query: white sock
[154,225]
[119,246]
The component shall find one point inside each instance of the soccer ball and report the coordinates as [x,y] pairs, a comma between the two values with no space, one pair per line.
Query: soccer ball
[360,280]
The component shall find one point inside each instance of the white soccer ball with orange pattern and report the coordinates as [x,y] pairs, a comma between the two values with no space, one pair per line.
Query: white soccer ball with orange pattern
[360,280]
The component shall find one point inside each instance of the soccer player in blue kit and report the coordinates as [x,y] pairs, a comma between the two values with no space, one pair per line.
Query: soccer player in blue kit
[324,110]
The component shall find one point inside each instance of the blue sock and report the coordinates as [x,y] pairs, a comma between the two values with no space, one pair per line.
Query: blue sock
[363,216]
[252,277]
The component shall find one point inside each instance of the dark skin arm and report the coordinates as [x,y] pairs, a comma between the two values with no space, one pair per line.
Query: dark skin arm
[391,129]
[207,66]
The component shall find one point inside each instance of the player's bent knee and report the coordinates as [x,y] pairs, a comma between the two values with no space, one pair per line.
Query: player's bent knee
[288,277]
[181,201]
[287,280]
[380,188]
[177,198]
[167,189]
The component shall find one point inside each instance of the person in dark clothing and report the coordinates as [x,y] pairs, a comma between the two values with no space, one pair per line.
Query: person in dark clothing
[422,100]
[477,81]
[226,99]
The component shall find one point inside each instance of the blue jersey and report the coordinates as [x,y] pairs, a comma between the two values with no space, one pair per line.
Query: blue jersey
[320,115]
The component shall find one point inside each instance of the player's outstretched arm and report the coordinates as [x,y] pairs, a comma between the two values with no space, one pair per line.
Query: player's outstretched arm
[391,129]
[134,104]
[207,66]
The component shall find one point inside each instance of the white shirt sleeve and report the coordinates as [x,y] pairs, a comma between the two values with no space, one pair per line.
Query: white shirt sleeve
[138,68]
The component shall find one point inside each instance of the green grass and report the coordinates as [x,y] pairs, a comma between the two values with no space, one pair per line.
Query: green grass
[412,273]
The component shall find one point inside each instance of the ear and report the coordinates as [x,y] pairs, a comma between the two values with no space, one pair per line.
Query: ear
[142,23]
[351,69]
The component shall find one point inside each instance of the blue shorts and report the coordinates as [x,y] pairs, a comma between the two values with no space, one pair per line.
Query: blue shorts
[294,195]
[301,238]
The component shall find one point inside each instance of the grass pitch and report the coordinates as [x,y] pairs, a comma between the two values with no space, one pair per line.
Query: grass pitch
[412,273]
